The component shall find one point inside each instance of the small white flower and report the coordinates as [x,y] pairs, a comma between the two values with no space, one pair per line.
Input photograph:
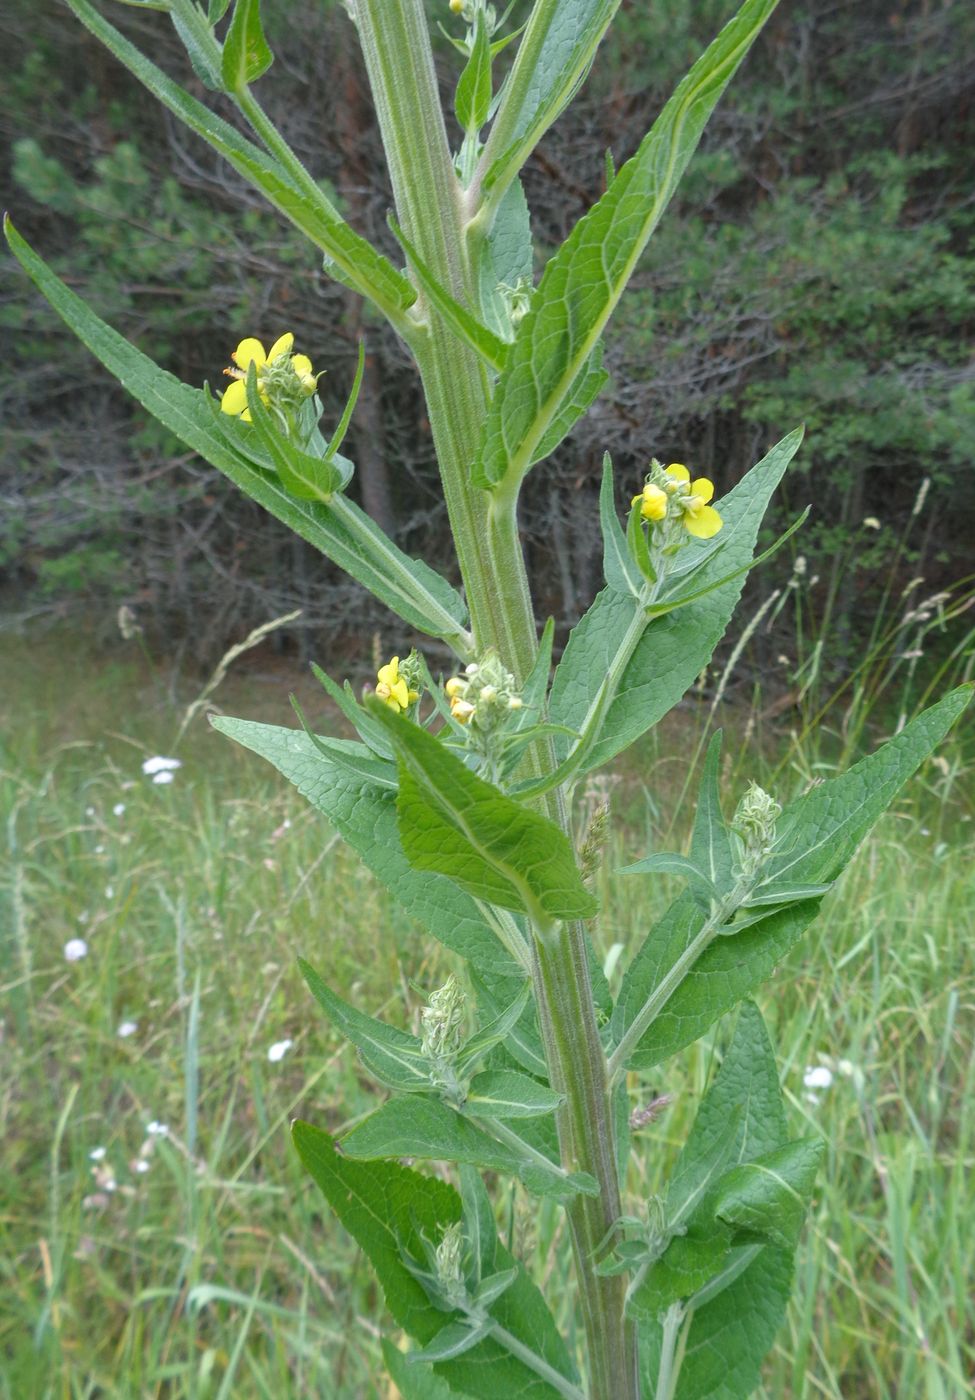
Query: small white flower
[817,1077]
[164,777]
[75,949]
[160,765]
[278,1050]
[89,811]
[126,1029]
[99,850]
[925,831]
[140,1165]
[119,808]
[96,1154]
[109,891]
[156,1129]
[871,522]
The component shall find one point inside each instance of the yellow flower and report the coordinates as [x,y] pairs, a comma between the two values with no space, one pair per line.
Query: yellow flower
[699,519]
[251,352]
[456,686]
[653,502]
[393,688]
[461,709]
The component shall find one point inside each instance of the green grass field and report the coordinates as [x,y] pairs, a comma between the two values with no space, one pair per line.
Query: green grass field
[199,1262]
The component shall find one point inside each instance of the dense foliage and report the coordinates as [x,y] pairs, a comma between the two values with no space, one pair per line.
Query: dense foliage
[818,267]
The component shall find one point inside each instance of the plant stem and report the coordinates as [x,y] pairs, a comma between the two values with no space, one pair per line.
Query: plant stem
[430,206]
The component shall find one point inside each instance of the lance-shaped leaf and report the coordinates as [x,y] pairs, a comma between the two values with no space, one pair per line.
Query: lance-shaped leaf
[245,51]
[584,281]
[504,258]
[497,1030]
[366,817]
[429,1130]
[619,567]
[197,39]
[340,530]
[388,1208]
[767,1197]
[552,60]
[672,863]
[393,1056]
[621,672]
[710,842]
[365,269]
[583,393]
[503,1093]
[455,823]
[729,968]
[303,476]
[472,101]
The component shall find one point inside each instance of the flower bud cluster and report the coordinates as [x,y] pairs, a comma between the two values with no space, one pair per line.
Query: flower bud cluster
[441,1021]
[754,824]
[449,1265]
[398,682]
[484,695]
[677,505]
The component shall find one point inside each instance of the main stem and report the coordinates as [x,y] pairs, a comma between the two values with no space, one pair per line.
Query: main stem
[430,206]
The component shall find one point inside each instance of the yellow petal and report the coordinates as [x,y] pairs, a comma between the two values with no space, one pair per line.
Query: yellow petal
[282,346]
[703,523]
[677,471]
[247,351]
[234,398]
[389,674]
[702,489]
[301,365]
[401,693]
[654,505]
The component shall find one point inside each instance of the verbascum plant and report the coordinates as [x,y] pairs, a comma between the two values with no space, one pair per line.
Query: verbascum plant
[459,795]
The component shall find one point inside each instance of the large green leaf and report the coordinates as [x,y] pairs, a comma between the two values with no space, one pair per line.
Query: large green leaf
[453,822]
[386,1207]
[584,281]
[339,529]
[730,967]
[621,672]
[366,817]
[366,269]
[768,1196]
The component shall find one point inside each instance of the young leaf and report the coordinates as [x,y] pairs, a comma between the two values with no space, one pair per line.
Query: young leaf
[366,818]
[582,394]
[393,1056]
[497,1030]
[504,258]
[197,39]
[387,1208]
[453,1340]
[462,322]
[305,477]
[768,1196]
[366,269]
[506,1094]
[472,101]
[620,671]
[710,842]
[637,545]
[584,281]
[480,1226]
[246,55]
[671,863]
[340,530]
[619,567]
[358,716]
[453,822]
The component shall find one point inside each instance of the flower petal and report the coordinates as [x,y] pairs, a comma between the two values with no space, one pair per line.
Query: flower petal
[282,346]
[703,523]
[401,693]
[702,489]
[234,398]
[301,365]
[247,352]
[678,471]
[389,674]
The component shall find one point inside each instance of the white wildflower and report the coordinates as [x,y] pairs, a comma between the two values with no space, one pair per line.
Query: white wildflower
[278,1050]
[126,1029]
[96,1154]
[156,1129]
[75,949]
[158,764]
[164,777]
[118,809]
[817,1077]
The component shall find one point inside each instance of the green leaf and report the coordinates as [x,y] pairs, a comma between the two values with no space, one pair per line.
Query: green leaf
[426,1129]
[504,257]
[671,863]
[366,818]
[387,1208]
[305,477]
[730,1335]
[472,101]
[583,393]
[619,567]
[366,269]
[621,672]
[480,1226]
[245,51]
[413,1379]
[556,51]
[495,1032]
[393,1056]
[507,1094]
[768,1196]
[197,39]
[637,545]
[453,822]
[584,281]
[710,842]
[817,836]
[492,349]
[454,1340]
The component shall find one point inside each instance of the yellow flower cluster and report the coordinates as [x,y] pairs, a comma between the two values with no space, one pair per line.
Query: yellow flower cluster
[689,498]
[393,688]
[279,357]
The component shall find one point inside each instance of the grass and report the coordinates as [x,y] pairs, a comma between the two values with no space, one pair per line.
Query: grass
[201,1263]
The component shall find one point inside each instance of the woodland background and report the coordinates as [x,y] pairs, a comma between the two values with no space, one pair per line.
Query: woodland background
[817,266]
